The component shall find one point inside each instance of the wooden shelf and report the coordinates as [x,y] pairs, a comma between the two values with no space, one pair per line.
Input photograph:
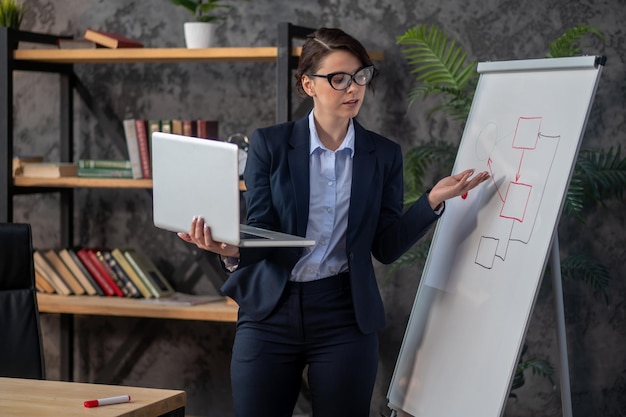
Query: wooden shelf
[126,55]
[82,182]
[152,55]
[223,311]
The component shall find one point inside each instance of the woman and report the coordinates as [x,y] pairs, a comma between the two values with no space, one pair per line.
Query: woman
[327,178]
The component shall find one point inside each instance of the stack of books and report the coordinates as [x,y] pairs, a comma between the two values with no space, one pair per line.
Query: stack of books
[104,168]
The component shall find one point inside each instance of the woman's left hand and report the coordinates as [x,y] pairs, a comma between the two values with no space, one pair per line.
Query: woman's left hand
[454,186]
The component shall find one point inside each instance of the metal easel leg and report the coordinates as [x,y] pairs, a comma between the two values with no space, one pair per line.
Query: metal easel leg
[557,287]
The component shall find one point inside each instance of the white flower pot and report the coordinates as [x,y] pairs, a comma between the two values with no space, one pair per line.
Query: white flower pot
[199,34]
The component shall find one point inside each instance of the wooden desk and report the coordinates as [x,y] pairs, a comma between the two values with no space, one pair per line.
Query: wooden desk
[37,398]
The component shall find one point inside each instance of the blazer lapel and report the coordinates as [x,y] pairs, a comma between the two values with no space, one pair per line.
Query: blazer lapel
[363,166]
[298,157]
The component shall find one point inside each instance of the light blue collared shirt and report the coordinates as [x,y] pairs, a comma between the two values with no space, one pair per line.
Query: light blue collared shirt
[330,185]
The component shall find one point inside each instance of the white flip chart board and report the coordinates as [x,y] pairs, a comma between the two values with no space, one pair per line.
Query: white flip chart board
[490,248]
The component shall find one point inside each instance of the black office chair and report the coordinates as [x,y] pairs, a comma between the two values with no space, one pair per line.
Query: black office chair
[21,349]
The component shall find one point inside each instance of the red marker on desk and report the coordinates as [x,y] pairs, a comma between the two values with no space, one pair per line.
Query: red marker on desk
[107,401]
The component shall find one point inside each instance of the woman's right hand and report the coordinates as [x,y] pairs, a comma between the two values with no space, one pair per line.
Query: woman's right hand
[200,235]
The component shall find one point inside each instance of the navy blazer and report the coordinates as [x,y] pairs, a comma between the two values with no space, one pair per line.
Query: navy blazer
[277,198]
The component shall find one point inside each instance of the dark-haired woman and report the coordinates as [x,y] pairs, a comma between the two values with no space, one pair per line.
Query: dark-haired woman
[327,178]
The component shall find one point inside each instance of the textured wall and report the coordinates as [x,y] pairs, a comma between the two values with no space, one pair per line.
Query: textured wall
[194,356]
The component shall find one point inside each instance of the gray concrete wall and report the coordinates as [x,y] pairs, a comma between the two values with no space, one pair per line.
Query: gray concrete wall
[194,356]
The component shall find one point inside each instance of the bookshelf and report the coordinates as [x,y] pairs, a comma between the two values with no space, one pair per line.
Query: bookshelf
[45,57]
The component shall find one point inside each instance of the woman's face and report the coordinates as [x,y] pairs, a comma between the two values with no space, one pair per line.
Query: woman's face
[329,101]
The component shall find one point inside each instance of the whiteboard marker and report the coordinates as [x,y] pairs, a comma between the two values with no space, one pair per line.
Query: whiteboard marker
[107,401]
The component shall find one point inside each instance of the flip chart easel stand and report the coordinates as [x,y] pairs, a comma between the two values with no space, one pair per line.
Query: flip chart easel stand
[557,287]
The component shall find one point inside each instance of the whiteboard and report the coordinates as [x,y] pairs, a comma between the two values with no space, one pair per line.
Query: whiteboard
[490,248]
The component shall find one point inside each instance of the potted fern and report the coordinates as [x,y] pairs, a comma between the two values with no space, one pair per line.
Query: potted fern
[200,32]
[11,13]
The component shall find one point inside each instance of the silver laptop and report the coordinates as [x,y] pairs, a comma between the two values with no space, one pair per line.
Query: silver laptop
[200,177]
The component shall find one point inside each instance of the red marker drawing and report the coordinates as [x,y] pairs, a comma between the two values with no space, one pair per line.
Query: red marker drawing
[107,401]
[464,196]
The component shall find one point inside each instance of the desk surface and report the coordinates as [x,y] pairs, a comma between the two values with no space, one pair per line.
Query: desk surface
[37,398]
[126,307]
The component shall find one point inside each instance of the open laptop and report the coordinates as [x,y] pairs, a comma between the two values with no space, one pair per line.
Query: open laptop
[200,177]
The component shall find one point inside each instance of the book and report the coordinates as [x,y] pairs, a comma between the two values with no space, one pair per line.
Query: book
[104,163]
[189,128]
[105,172]
[49,169]
[207,129]
[62,270]
[19,160]
[153,126]
[42,283]
[83,269]
[49,274]
[149,273]
[131,273]
[76,44]
[141,128]
[111,40]
[123,278]
[69,262]
[118,282]
[133,147]
[166,126]
[177,126]
[95,268]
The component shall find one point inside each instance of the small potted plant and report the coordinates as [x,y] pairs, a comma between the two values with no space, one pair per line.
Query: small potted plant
[11,13]
[206,13]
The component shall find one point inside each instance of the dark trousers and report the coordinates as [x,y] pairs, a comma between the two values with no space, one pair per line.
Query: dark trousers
[313,325]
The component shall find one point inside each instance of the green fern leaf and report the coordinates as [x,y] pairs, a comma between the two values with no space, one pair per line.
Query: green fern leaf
[436,60]
[588,270]
[566,44]
[602,173]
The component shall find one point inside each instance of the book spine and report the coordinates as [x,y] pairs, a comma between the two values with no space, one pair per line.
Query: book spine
[133,147]
[42,283]
[116,281]
[201,129]
[130,272]
[189,128]
[105,172]
[71,265]
[132,291]
[144,149]
[142,274]
[83,269]
[96,272]
[104,163]
[63,272]
[177,127]
[47,271]
[153,273]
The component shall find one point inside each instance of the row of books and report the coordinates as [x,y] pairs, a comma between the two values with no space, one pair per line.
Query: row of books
[104,272]
[35,167]
[139,131]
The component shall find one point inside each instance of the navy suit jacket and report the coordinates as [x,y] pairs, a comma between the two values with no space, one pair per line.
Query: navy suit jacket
[277,198]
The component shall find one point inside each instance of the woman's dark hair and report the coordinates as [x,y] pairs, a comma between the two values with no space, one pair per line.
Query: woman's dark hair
[323,42]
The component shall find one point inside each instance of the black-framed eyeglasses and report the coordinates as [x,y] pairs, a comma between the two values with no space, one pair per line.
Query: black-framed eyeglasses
[342,80]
